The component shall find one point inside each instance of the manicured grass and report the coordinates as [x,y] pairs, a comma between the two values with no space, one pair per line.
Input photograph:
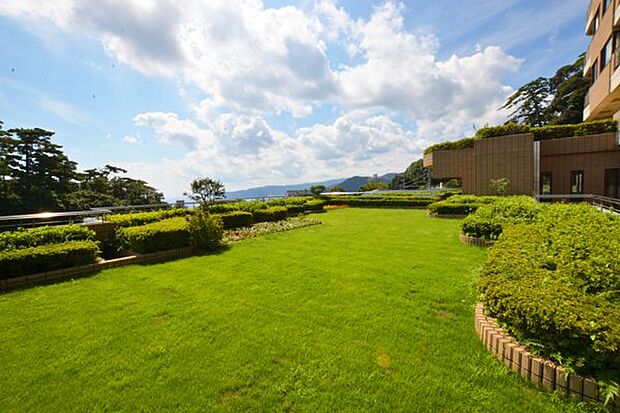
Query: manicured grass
[371,311]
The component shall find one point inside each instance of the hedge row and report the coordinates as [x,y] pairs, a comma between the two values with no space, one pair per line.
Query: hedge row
[27,238]
[276,213]
[454,145]
[489,220]
[380,201]
[460,205]
[141,218]
[294,205]
[236,219]
[164,235]
[44,258]
[556,283]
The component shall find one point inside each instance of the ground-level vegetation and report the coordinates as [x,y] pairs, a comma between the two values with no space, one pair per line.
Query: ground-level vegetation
[371,311]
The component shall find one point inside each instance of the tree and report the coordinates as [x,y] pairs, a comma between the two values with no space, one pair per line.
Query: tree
[414,177]
[337,188]
[557,100]
[318,189]
[206,190]
[372,185]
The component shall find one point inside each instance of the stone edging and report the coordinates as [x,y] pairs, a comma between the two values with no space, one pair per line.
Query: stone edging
[66,273]
[543,373]
[478,242]
[447,216]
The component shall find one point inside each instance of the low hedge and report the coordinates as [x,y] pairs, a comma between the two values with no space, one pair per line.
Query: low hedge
[44,258]
[380,201]
[157,236]
[271,214]
[295,209]
[454,145]
[142,218]
[551,131]
[460,205]
[27,238]
[236,219]
[314,205]
[555,283]
[489,220]
[509,128]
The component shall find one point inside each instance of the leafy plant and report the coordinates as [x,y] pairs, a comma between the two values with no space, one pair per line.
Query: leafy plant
[206,190]
[499,187]
[27,238]
[205,230]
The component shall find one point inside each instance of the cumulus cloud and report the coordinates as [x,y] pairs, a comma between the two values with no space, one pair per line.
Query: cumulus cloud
[247,62]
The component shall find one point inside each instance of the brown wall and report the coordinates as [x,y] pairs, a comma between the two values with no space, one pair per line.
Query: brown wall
[591,154]
[510,157]
[453,164]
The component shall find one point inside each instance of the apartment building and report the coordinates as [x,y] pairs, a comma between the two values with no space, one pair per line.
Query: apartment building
[602,61]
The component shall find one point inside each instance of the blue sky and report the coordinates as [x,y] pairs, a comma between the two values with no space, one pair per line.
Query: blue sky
[270,92]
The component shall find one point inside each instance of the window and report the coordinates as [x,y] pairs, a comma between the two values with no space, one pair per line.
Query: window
[545,183]
[595,71]
[606,54]
[597,19]
[576,182]
[606,5]
[612,183]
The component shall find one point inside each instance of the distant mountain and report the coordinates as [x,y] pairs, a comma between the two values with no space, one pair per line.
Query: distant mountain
[353,184]
[275,190]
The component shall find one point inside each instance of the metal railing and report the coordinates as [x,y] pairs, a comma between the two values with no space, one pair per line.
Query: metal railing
[602,202]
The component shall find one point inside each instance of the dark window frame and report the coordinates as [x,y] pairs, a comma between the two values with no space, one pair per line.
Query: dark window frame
[576,185]
[544,175]
[596,23]
[615,172]
[607,53]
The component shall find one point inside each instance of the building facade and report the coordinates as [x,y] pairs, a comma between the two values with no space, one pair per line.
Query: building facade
[602,60]
[575,165]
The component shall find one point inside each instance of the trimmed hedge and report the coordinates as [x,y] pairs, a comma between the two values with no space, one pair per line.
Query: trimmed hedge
[28,238]
[556,283]
[448,146]
[236,219]
[142,218]
[510,128]
[295,209]
[272,214]
[460,204]
[489,220]
[157,236]
[44,258]
[314,205]
[380,201]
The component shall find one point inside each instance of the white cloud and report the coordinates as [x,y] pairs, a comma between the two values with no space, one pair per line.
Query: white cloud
[248,62]
[132,139]
[64,110]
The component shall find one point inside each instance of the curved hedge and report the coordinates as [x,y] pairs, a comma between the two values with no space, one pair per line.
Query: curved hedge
[236,219]
[555,283]
[272,214]
[27,238]
[489,220]
[44,258]
[142,218]
[460,204]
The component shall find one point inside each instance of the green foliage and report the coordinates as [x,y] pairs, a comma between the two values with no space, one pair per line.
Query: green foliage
[373,185]
[381,200]
[27,238]
[276,213]
[314,205]
[49,257]
[489,220]
[337,188]
[318,189]
[157,236]
[295,209]
[529,103]
[460,204]
[499,187]
[236,219]
[510,128]
[556,282]
[206,230]
[141,218]
[552,131]
[448,146]
[206,190]
[269,228]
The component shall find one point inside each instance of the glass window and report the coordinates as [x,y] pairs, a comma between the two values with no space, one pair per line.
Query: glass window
[612,183]
[545,183]
[597,19]
[576,182]
[606,54]
[595,71]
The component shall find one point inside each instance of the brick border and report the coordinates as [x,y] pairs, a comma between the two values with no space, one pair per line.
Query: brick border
[477,242]
[67,273]
[543,373]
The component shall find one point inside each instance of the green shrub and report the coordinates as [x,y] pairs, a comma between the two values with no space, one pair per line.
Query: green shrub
[314,206]
[460,204]
[489,220]
[455,145]
[206,230]
[275,213]
[224,208]
[510,128]
[379,201]
[295,209]
[157,236]
[27,238]
[251,206]
[298,200]
[44,258]
[550,131]
[556,283]
[236,219]
[141,218]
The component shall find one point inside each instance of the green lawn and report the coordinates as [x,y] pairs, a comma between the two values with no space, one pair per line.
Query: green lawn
[371,311]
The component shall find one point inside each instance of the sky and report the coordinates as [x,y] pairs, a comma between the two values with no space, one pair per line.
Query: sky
[257,92]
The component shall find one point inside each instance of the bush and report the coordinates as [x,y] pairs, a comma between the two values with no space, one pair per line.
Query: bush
[236,219]
[510,128]
[295,209]
[455,145]
[27,238]
[551,131]
[489,220]
[158,236]
[556,283]
[270,214]
[314,206]
[141,218]
[224,208]
[379,201]
[44,258]
[205,230]
[460,205]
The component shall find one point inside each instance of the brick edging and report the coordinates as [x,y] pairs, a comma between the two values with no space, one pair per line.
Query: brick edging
[66,273]
[478,242]
[543,373]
